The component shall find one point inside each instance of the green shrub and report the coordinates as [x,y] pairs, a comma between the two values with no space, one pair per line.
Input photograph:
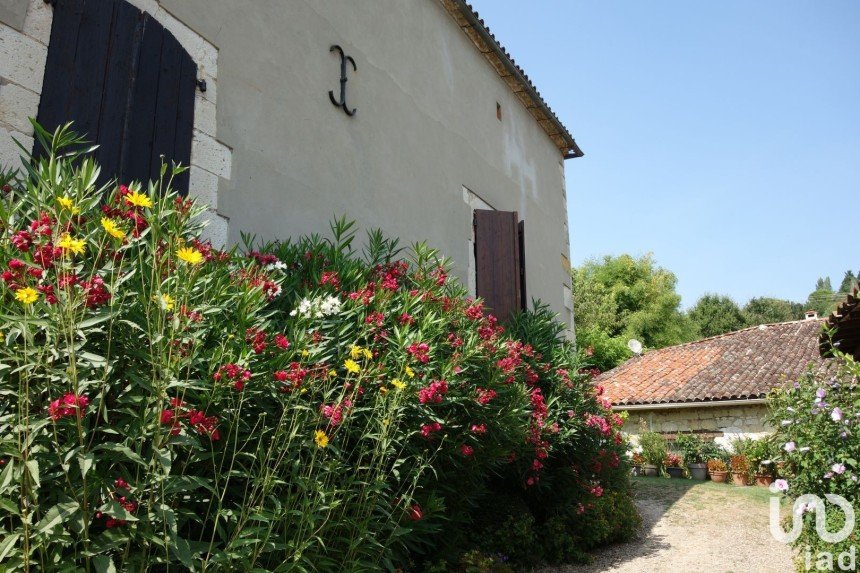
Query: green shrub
[654,448]
[300,406]
[695,449]
[818,420]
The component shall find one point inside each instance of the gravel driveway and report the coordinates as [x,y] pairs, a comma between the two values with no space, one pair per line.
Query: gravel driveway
[695,526]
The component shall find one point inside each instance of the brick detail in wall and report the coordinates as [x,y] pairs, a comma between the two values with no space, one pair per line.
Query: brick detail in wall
[22,65]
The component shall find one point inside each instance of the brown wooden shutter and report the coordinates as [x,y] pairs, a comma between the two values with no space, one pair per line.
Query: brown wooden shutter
[125,82]
[497,261]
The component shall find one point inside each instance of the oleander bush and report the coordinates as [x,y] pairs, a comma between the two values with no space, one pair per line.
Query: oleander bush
[818,434]
[295,406]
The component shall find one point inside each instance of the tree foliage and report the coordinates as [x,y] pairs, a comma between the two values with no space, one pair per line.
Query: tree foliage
[619,298]
[823,299]
[849,281]
[766,310]
[715,314]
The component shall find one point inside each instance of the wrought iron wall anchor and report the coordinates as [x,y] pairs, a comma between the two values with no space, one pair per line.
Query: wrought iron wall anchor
[343,60]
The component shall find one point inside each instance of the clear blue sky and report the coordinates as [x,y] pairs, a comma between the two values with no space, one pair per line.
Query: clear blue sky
[724,137]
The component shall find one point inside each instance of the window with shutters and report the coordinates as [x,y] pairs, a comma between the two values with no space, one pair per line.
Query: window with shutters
[125,82]
[500,261]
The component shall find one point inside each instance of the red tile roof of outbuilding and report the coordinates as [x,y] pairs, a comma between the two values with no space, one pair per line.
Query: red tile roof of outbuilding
[745,364]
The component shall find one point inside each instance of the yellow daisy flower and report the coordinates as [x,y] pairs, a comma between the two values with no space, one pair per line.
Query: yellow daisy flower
[76,246]
[410,372]
[27,295]
[111,228]
[332,373]
[351,366]
[167,302]
[355,352]
[397,383]
[305,353]
[367,353]
[190,255]
[69,205]
[138,199]
[320,438]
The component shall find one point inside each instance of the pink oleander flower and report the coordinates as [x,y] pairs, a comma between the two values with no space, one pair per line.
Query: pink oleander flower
[69,405]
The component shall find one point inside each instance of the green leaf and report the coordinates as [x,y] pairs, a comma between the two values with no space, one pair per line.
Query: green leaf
[104,564]
[124,450]
[6,476]
[183,551]
[86,462]
[8,544]
[56,515]
[9,506]
[33,469]
[117,511]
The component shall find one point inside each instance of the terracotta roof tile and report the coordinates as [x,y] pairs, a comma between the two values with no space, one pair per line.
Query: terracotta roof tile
[737,365]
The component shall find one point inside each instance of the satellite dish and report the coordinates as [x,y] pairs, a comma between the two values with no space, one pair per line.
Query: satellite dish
[635,346]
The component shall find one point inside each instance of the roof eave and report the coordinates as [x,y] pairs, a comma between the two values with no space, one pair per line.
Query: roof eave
[699,404]
[569,149]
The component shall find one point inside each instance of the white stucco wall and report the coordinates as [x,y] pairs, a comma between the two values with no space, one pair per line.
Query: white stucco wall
[274,157]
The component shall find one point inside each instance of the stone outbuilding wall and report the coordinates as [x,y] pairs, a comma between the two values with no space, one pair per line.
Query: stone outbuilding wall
[746,420]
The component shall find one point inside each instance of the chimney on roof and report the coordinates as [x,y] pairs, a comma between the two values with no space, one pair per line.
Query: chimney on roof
[811,315]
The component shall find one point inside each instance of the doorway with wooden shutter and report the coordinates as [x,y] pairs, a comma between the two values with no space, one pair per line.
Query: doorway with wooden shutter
[500,261]
[125,82]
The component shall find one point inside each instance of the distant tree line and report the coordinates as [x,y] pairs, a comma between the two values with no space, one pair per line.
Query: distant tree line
[617,299]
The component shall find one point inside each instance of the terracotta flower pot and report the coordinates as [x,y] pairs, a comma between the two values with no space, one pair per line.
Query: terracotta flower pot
[698,471]
[675,472]
[763,480]
[739,479]
[650,470]
[719,477]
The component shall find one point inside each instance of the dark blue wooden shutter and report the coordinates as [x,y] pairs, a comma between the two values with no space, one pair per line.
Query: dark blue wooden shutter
[125,82]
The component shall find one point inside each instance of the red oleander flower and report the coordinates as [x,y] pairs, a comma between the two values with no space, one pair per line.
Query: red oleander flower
[281,341]
[69,405]
[419,351]
[330,278]
[434,393]
[475,311]
[415,512]
[431,428]
[485,396]
[467,450]
[22,240]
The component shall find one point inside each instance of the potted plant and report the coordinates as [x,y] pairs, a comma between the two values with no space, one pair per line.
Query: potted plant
[653,451]
[759,456]
[740,465]
[718,470]
[672,462]
[638,461]
[696,452]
